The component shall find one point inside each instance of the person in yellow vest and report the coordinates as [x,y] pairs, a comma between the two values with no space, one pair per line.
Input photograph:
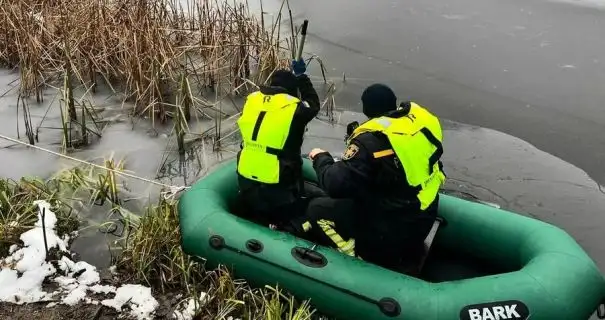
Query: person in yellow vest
[383,195]
[269,164]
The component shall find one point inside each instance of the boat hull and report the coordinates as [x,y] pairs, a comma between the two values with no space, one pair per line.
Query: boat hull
[551,276]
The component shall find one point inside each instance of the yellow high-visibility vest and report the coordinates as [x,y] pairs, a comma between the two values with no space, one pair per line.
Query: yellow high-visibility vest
[264,125]
[416,140]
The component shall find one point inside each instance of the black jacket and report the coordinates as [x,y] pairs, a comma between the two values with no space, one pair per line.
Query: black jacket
[267,196]
[388,208]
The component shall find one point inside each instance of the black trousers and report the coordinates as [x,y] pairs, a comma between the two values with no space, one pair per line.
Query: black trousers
[266,209]
[328,222]
[395,242]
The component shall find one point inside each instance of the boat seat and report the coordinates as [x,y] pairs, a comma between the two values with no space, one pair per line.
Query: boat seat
[415,268]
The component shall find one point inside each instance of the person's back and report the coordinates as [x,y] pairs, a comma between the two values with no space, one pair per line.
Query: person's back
[401,212]
[391,169]
[272,125]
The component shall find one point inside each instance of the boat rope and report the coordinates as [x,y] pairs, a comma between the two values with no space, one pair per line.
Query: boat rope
[172,189]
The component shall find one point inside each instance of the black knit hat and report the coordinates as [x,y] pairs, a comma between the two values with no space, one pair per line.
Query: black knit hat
[285,79]
[377,100]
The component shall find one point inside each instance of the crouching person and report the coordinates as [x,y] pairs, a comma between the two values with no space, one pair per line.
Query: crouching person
[383,195]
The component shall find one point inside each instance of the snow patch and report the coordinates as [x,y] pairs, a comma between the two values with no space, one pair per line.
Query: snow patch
[25,269]
[75,296]
[189,311]
[113,270]
[102,289]
[138,297]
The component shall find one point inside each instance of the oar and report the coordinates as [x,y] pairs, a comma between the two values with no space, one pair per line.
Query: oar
[301,44]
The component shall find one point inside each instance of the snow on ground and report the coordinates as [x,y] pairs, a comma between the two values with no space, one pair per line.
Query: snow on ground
[24,271]
[189,310]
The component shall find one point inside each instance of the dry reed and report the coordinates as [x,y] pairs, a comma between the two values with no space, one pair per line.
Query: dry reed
[147,51]
[139,48]
[18,212]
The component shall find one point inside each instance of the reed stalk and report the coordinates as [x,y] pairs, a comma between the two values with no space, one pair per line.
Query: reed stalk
[29,132]
[139,48]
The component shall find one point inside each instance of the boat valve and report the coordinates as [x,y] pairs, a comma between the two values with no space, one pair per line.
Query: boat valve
[389,306]
[308,257]
[216,242]
[254,246]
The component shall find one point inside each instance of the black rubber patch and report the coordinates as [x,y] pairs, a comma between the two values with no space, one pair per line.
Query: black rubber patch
[389,306]
[309,258]
[254,246]
[217,242]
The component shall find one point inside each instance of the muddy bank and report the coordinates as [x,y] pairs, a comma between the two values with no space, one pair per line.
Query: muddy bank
[40,311]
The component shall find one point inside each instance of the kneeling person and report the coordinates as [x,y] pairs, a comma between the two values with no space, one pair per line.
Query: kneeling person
[269,164]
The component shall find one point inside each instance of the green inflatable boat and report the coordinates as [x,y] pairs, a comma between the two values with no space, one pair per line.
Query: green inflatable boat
[532,270]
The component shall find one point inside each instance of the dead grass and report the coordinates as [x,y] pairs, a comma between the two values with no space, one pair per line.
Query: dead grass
[18,212]
[158,57]
[152,255]
[139,48]
[63,191]
[149,251]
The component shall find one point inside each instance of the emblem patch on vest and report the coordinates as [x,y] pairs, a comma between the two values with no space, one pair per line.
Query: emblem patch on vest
[350,152]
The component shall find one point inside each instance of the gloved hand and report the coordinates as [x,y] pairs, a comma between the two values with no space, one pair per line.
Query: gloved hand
[350,128]
[315,152]
[299,67]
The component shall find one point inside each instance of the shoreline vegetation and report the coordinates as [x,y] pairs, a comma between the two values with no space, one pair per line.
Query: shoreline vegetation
[171,61]
[148,253]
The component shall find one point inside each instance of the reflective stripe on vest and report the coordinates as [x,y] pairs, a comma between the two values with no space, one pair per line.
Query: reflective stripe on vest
[416,141]
[264,125]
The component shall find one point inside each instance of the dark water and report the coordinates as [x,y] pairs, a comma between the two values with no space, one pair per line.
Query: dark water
[148,152]
[533,69]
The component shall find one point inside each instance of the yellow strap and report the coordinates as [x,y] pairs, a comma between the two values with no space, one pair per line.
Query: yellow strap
[383,153]
[346,247]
